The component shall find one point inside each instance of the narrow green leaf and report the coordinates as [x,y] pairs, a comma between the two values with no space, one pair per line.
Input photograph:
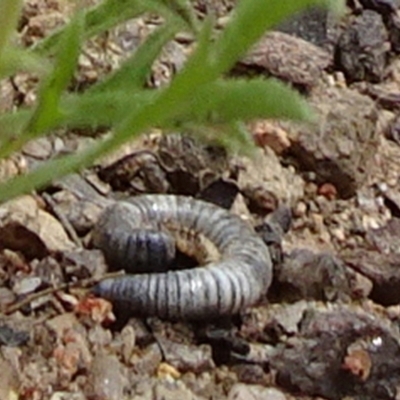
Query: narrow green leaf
[133,72]
[237,139]
[249,22]
[171,99]
[104,109]
[15,60]
[47,111]
[87,110]
[227,101]
[9,13]
[233,136]
[11,126]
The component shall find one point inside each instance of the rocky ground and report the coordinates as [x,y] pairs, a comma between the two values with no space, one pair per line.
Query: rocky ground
[328,328]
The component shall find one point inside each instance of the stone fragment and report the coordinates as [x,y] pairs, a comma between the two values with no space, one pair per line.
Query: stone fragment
[187,357]
[167,390]
[340,147]
[26,285]
[7,297]
[263,180]
[40,148]
[100,338]
[67,396]
[128,339]
[340,351]
[27,228]
[12,166]
[379,262]
[7,96]
[250,374]
[107,377]
[72,353]
[241,391]
[308,275]
[289,58]
[266,133]
[9,381]
[83,263]
[383,7]
[386,239]
[63,322]
[381,269]
[12,337]
[164,389]
[393,26]
[147,360]
[362,49]
[81,214]
[311,24]
[166,370]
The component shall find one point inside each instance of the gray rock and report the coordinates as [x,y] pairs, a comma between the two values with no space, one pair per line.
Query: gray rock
[241,391]
[27,228]
[311,25]
[289,58]
[362,49]
[341,145]
[187,357]
[107,377]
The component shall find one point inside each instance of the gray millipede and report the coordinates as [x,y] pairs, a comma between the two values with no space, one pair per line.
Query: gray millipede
[132,234]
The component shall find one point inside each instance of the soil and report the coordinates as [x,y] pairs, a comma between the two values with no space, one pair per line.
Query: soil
[325,198]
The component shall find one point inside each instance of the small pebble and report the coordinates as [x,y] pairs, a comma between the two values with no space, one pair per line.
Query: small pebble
[300,209]
[338,233]
[39,148]
[166,370]
[328,190]
[9,382]
[26,285]
[107,377]
[254,392]
[128,338]
[7,297]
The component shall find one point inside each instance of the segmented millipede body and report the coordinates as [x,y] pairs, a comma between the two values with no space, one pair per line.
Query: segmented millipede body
[132,234]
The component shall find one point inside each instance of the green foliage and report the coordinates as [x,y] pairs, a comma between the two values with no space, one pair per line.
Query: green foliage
[198,99]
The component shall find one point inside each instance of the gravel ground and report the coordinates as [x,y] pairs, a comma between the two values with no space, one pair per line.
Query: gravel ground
[328,328]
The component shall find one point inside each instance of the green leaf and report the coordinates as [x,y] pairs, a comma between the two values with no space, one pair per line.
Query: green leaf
[238,139]
[9,14]
[171,99]
[225,101]
[11,126]
[249,22]
[47,113]
[14,60]
[104,109]
[233,136]
[87,110]
[133,72]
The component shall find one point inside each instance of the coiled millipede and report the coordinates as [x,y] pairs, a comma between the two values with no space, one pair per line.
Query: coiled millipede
[146,230]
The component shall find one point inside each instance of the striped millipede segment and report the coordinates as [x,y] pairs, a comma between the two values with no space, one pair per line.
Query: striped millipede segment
[238,279]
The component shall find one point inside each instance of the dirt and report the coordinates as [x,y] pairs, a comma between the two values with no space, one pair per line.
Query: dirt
[328,328]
